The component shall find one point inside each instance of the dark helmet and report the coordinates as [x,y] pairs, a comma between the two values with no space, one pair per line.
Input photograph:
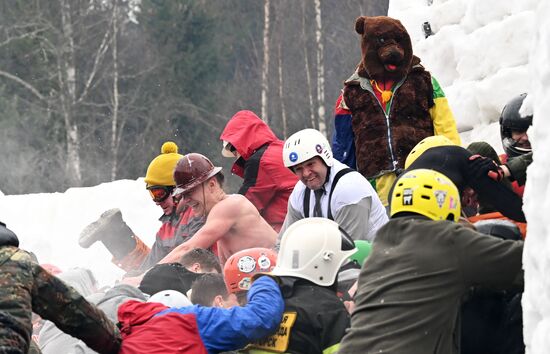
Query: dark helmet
[192,170]
[511,120]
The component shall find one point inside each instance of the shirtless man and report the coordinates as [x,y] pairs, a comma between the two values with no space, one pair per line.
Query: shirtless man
[231,220]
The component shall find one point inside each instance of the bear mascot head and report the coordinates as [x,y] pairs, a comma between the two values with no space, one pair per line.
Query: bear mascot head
[386,49]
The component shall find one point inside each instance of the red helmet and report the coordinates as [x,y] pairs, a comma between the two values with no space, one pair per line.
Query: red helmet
[192,170]
[241,266]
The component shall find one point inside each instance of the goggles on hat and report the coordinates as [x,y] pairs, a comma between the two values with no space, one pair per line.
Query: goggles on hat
[160,193]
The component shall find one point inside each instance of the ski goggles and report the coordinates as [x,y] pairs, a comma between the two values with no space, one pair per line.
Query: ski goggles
[160,193]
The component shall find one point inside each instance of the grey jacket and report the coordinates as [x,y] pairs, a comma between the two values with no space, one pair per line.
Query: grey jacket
[52,341]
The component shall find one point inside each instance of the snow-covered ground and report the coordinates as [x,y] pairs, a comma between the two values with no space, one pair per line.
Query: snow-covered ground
[483,53]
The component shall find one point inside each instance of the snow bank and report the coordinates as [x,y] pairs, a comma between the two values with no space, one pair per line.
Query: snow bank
[49,223]
[536,256]
[479,53]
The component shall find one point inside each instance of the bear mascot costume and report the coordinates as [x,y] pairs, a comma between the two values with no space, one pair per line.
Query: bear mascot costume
[388,105]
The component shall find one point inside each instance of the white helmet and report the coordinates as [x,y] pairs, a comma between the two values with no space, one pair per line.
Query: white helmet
[314,249]
[170,298]
[304,145]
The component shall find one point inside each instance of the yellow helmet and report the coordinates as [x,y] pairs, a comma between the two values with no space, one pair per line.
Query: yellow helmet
[426,192]
[425,144]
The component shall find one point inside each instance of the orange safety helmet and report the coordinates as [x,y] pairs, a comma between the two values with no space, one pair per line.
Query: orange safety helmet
[192,170]
[241,266]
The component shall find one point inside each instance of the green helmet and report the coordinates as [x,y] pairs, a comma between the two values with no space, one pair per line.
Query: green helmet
[363,251]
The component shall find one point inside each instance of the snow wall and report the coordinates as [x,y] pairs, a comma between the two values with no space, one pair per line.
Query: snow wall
[483,53]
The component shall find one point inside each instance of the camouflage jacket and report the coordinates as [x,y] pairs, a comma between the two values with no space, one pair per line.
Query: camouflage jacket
[26,287]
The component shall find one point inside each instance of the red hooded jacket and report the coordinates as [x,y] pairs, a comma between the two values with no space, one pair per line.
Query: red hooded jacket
[143,332]
[267,182]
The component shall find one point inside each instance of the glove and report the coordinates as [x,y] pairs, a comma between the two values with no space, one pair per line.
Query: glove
[480,166]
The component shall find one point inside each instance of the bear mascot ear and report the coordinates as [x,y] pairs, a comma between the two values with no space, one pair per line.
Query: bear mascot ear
[360,24]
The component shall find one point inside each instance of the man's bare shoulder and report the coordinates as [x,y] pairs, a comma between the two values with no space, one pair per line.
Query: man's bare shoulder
[235,199]
[232,203]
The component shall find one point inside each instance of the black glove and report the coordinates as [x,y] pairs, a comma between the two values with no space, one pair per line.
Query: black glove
[480,166]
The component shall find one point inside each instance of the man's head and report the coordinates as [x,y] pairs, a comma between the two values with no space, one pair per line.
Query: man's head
[159,178]
[198,182]
[314,249]
[312,173]
[167,276]
[386,49]
[241,267]
[200,260]
[513,127]
[308,155]
[209,290]
[7,237]
[228,150]
[425,192]
[426,144]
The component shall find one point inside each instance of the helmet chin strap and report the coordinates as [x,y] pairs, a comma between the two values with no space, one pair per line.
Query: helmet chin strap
[204,199]
[327,177]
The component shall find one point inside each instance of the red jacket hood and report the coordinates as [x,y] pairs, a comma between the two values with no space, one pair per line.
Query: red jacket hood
[247,132]
[135,313]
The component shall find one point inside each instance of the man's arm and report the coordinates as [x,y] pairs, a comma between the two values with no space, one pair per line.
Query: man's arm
[221,219]
[487,260]
[354,219]
[517,167]
[223,329]
[442,116]
[292,215]
[53,300]
[343,143]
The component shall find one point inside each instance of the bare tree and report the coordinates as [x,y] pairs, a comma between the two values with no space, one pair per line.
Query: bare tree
[281,90]
[101,93]
[66,75]
[265,67]
[115,137]
[307,67]
[320,69]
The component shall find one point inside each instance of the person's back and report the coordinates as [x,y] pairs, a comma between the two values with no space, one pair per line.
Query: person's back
[421,266]
[315,319]
[426,267]
[26,287]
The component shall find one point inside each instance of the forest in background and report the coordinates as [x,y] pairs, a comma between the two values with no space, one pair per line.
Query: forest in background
[90,89]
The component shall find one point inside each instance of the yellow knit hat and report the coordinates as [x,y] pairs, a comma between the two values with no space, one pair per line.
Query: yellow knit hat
[161,170]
